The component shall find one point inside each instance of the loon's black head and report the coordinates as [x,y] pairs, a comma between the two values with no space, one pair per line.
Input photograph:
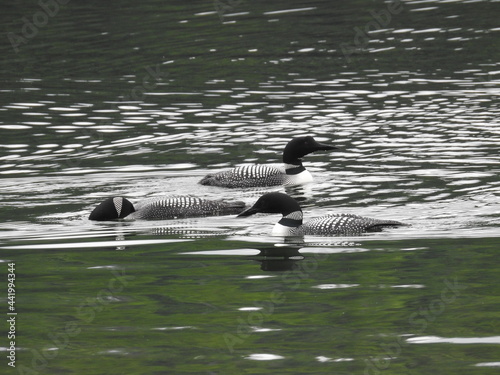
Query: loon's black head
[301,146]
[273,203]
[112,209]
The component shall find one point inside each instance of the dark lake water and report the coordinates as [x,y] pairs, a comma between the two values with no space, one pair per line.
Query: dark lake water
[142,99]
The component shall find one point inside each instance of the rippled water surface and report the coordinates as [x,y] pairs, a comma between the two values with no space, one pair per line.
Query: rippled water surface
[143,100]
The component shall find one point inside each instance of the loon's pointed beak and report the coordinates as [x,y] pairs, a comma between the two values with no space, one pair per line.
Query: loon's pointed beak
[324,147]
[248,212]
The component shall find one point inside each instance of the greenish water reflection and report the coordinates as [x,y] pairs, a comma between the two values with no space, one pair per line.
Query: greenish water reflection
[146,308]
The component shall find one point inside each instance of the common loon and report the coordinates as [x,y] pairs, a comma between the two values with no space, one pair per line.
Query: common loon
[251,175]
[160,208]
[329,225]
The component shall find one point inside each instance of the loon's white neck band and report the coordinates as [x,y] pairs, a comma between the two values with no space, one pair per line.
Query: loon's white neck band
[294,169]
[289,225]
[300,178]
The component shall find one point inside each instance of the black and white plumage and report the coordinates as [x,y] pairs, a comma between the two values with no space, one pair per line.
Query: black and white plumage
[330,225]
[251,175]
[160,208]
[292,173]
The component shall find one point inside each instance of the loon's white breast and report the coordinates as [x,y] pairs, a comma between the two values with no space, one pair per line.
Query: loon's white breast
[301,178]
[285,231]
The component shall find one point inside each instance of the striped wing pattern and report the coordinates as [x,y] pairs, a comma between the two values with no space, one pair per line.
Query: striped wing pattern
[346,224]
[246,176]
[184,206]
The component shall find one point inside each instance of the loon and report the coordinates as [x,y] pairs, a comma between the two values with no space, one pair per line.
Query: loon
[329,225]
[253,175]
[160,208]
